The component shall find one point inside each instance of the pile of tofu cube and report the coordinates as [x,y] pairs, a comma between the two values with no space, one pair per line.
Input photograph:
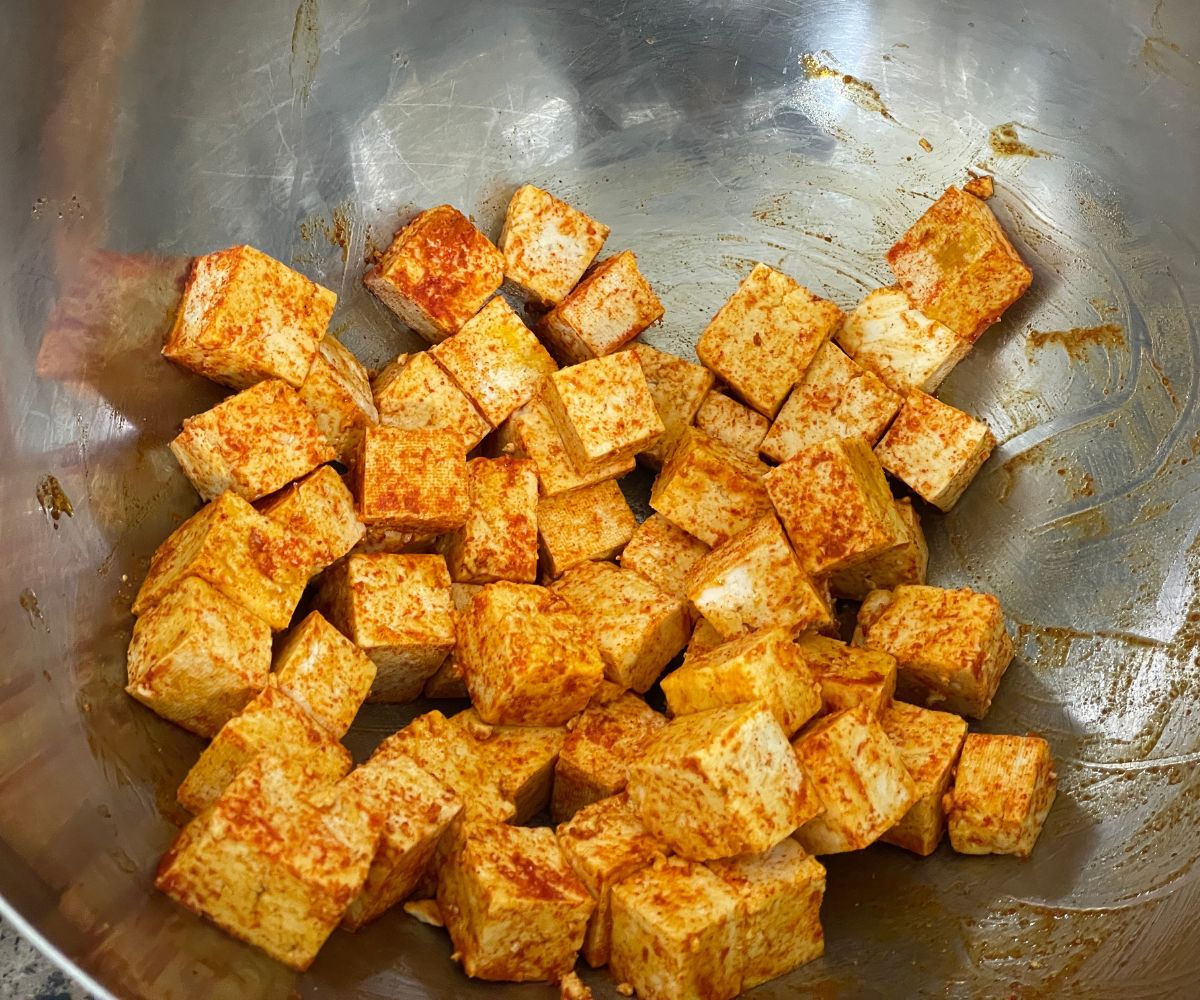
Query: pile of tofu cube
[455,530]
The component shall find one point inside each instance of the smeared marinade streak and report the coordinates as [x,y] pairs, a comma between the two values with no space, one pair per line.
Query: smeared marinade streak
[865,95]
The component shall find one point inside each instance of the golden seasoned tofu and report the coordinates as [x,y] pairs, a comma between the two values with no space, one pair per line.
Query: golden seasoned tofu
[603,409]
[1003,791]
[678,388]
[594,761]
[761,341]
[663,554]
[515,910]
[197,657]
[607,309]
[905,562]
[245,318]
[412,480]
[448,681]
[251,444]
[720,783]
[547,244]
[761,666]
[957,265]
[779,910]
[899,343]
[605,843]
[951,646]
[849,675]
[413,392]
[755,581]
[437,273]
[337,392]
[709,490]
[860,780]
[527,658]
[396,609]
[499,540]
[836,398]
[835,504]
[324,673]
[318,513]
[246,556]
[935,449]
[704,638]
[594,522]
[728,421]
[638,628]
[675,934]
[380,539]
[929,743]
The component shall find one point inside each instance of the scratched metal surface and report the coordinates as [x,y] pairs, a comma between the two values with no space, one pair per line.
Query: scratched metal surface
[138,134]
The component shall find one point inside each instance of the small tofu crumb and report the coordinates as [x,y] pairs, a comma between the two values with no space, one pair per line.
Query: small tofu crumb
[426,911]
[571,987]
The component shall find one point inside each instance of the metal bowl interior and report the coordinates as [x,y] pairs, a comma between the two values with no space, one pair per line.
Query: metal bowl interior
[140,134]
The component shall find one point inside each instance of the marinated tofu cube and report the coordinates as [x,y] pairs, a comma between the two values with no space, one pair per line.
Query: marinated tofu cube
[849,675]
[499,540]
[728,421]
[337,393]
[779,910]
[929,743]
[704,638]
[906,562]
[835,399]
[515,910]
[675,934]
[663,554]
[860,780]
[761,341]
[380,539]
[413,392]
[762,666]
[951,646]
[251,444]
[935,449]
[324,673]
[527,658]
[438,273]
[709,490]
[610,306]
[412,480]
[246,318]
[591,523]
[396,609]
[957,265]
[448,682]
[834,501]
[547,244]
[638,628]
[679,388]
[197,657]
[755,581]
[318,513]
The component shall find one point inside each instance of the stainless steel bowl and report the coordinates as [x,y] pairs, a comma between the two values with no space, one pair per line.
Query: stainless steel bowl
[139,134]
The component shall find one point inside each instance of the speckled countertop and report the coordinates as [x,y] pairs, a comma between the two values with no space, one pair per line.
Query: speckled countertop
[26,975]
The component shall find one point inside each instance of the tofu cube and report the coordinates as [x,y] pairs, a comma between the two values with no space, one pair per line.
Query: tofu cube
[674,933]
[197,657]
[246,556]
[605,843]
[755,581]
[929,743]
[1003,790]
[414,393]
[720,783]
[438,273]
[396,609]
[834,501]
[246,318]
[836,398]
[779,910]
[638,628]
[527,658]
[728,421]
[761,341]
[412,480]
[499,540]
[679,388]
[594,761]
[900,344]
[957,265]
[515,910]
[337,392]
[848,675]
[318,513]
[663,554]
[762,666]
[905,562]
[709,490]
[603,409]
[324,673]
[859,779]
[591,523]
[935,449]
[251,444]
[704,638]
[951,646]
[448,681]
[547,244]
[609,307]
